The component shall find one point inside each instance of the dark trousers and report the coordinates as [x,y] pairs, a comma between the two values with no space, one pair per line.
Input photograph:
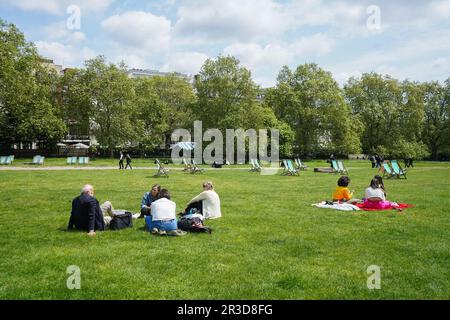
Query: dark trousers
[196,205]
[121,164]
[129,165]
[145,212]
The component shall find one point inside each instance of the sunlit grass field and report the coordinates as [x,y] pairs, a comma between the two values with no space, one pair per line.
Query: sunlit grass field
[269,244]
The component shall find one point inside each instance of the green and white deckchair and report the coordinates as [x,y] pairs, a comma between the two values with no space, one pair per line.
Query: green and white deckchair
[335,167]
[71,160]
[195,168]
[299,164]
[187,166]
[398,171]
[2,160]
[161,170]
[387,171]
[41,161]
[289,168]
[255,165]
[341,167]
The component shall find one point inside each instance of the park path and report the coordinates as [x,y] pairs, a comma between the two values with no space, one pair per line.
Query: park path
[61,168]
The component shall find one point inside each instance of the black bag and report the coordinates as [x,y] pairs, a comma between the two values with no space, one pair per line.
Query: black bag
[122,221]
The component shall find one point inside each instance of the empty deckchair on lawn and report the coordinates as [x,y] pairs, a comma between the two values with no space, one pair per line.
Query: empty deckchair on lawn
[195,168]
[299,164]
[41,161]
[398,171]
[7,160]
[187,166]
[291,171]
[86,160]
[36,160]
[335,167]
[341,167]
[285,168]
[255,165]
[387,171]
[71,160]
[161,170]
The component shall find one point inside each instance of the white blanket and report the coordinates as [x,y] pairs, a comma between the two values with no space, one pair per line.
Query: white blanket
[337,206]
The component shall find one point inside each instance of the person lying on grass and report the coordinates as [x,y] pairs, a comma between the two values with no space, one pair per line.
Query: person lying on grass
[207,203]
[87,214]
[342,193]
[162,218]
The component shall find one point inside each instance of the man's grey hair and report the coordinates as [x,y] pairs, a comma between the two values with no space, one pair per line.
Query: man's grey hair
[87,188]
[208,185]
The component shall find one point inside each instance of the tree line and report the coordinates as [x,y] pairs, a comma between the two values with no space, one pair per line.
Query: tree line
[370,114]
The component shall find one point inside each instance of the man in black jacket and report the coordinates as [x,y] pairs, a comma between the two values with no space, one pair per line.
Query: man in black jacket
[86,212]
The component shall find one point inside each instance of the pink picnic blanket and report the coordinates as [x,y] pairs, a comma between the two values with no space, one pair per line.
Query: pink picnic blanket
[383,205]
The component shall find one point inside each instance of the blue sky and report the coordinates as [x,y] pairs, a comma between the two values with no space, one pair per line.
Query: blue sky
[406,39]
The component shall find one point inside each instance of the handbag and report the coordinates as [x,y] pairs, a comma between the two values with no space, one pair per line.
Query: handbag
[121,221]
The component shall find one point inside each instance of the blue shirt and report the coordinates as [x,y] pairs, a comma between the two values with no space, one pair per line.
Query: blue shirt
[147,200]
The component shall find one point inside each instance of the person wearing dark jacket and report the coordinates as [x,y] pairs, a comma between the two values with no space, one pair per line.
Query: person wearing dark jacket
[87,214]
[128,159]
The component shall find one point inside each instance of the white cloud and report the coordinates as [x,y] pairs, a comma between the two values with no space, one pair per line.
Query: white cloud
[275,55]
[58,31]
[140,31]
[231,20]
[58,7]
[66,55]
[412,59]
[185,62]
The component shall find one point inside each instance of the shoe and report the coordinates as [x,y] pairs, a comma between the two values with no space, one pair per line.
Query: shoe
[176,233]
[155,231]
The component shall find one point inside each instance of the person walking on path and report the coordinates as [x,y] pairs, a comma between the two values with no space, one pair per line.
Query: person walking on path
[121,161]
[128,158]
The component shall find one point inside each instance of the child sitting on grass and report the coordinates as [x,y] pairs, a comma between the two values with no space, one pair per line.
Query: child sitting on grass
[342,193]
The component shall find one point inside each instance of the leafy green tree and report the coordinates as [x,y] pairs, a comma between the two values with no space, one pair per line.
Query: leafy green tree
[436,130]
[28,108]
[164,104]
[226,94]
[311,102]
[392,114]
[110,95]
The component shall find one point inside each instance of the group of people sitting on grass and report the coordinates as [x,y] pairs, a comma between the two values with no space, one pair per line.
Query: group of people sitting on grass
[157,208]
[374,195]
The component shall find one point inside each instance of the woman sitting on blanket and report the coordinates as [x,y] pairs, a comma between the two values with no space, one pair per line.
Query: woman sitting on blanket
[375,196]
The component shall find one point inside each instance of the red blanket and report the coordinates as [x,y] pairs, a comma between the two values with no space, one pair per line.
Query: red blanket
[400,206]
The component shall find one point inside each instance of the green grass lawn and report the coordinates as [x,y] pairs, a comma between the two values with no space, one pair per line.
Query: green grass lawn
[269,244]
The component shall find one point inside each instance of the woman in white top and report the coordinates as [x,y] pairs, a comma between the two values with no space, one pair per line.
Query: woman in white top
[375,196]
[163,213]
[207,202]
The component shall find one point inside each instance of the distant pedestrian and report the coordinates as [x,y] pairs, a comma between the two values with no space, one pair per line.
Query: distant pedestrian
[378,161]
[128,158]
[373,161]
[121,160]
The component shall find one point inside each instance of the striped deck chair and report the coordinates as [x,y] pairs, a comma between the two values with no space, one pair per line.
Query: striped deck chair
[161,170]
[398,171]
[341,167]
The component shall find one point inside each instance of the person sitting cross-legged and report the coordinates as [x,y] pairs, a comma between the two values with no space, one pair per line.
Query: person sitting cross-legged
[162,219]
[147,200]
[207,202]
